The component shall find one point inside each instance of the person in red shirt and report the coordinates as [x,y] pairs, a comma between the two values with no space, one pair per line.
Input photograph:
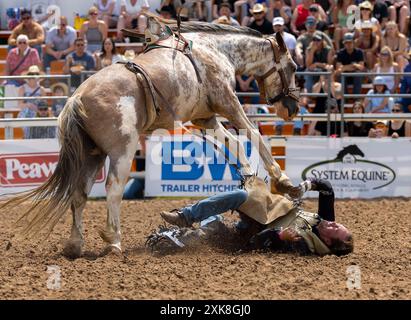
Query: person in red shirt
[19,59]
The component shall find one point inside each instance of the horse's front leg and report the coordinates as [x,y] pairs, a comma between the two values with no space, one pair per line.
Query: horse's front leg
[236,115]
[231,143]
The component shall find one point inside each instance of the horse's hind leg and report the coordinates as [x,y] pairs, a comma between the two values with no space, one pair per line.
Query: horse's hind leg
[120,164]
[74,245]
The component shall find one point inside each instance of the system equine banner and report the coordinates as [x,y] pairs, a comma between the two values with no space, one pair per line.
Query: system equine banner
[26,164]
[188,166]
[356,167]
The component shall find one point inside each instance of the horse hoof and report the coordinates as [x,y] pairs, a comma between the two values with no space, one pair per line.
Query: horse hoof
[72,249]
[112,249]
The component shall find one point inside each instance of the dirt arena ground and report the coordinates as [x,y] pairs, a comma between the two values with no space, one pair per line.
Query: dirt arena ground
[382,252]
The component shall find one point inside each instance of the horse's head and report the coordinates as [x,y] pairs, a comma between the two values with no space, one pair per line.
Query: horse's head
[278,83]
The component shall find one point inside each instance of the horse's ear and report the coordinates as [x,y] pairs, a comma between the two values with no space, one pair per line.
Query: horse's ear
[280,42]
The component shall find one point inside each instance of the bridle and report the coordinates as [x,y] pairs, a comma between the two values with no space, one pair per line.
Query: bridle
[287,92]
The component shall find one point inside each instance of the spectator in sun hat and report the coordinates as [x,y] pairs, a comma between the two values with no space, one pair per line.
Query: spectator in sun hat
[350,59]
[289,39]
[32,88]
[260,23]
[377,104]
[369,43]
[366,8]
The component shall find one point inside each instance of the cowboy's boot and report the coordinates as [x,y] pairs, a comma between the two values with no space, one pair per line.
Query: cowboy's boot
[175,217]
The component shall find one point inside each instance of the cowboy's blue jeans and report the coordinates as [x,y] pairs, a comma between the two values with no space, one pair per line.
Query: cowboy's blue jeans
[214,205]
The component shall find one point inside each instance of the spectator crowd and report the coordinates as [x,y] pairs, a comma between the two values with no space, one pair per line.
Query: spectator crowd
[335,36]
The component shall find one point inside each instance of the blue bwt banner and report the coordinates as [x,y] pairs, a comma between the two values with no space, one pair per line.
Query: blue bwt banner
[189,166]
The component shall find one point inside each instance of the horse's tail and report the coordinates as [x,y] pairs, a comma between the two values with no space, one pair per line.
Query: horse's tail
[50,201]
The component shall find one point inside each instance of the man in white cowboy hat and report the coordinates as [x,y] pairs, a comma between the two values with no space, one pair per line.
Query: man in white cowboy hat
[273,221]
[260,23]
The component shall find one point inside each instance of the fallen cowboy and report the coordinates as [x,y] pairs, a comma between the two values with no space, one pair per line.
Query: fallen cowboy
[269,221]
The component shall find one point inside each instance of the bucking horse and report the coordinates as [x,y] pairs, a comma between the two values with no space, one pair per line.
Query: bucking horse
[186,73]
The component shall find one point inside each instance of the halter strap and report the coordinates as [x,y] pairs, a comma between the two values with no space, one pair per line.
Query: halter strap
[293,93]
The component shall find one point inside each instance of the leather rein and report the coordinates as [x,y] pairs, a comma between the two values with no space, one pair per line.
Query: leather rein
[293,93]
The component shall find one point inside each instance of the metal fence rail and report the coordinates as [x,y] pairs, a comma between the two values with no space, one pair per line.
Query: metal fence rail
[261,117]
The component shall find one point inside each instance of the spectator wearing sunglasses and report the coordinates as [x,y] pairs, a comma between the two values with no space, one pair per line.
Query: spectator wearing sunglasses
[19,59]
[77,61]
[31,29]
[43,111]
[59,42]
[94,31]
[398,128]
[387,64]
[393,128]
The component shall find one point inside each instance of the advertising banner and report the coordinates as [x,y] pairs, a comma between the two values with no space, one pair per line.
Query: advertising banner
[189,166]
[26,164]
[356,167]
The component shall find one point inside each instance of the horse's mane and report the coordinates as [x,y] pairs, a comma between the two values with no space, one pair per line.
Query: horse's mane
[199,26]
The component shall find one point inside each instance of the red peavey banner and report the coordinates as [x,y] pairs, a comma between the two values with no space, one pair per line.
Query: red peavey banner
[31,169]
[27,164]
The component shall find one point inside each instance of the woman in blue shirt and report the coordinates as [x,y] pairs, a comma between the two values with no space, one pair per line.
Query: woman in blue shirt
[377,104]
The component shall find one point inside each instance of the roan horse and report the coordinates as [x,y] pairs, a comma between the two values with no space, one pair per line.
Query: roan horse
[107,113]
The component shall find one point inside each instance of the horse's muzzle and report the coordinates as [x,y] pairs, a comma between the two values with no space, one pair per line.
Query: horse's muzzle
[288,110]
